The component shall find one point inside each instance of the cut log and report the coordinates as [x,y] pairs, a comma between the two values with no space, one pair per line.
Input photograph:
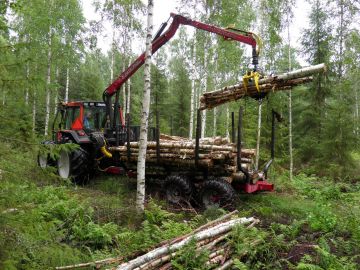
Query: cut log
[161,251]
[268,84]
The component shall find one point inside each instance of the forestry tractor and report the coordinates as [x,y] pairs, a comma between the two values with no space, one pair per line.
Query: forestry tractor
[107,141]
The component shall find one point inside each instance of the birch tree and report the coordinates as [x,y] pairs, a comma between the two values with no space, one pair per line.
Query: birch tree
[140,195]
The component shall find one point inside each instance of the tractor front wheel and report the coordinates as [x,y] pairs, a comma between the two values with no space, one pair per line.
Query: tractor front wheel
[217,193]
[74,165]
[43,159]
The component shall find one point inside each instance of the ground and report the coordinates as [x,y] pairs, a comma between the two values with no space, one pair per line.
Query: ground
[311,223]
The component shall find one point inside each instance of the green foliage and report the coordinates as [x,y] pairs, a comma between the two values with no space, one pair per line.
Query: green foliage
[189,258]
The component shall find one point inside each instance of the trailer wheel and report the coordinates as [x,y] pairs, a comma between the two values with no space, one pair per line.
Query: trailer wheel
[177,189]
[217,193]
[74,165]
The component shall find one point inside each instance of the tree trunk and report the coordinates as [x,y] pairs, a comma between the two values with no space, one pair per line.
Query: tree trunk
[112,45]
[192,99]
[48,81]
[128,90]
[214,121]
[227,121]
[66,99]
[258,137]
[140,196]
[204,85]
[356,112]
[27,84]
[123,87]
[34,112]
[56,98]
[290,107]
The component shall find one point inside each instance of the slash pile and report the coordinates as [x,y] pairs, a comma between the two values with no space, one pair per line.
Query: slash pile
[211,237]
[268,84]
[217,154]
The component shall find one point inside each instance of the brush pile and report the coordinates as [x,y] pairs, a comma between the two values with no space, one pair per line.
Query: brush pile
[216,154]
[212,237]
[268,84]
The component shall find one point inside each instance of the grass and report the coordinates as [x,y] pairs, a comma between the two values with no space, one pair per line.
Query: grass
[45,222]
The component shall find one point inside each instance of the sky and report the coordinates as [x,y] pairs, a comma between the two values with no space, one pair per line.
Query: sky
[163,8]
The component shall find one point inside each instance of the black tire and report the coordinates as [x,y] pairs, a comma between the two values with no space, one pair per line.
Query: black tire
[177,189]
[44,160]
[74,165]
[217,193]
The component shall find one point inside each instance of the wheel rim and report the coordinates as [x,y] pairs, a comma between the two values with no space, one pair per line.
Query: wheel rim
[42,161]
[64,165]
[211,198]
[173,194]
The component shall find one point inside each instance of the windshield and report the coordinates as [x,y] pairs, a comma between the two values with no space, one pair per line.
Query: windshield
[94,117]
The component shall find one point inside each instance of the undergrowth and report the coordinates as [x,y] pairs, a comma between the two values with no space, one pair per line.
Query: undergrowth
[309,223]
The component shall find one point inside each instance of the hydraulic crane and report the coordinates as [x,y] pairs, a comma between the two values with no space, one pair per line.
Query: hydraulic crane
[161,38]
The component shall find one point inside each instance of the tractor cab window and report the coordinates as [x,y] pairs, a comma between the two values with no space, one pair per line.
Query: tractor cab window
[94,117]
[70,116]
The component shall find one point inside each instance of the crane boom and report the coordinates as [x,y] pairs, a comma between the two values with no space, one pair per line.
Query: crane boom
[246,37]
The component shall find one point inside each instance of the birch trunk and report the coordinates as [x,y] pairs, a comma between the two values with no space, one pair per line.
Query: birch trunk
[214,122]
[112,46]
[128,99]
[34,112]
[123,87]
[140,196]
[192,99]
[48,81]
[66,99]
[227,121]
[27,84]
[258,137]
[356,111]
[56,98]
[205,84]
[290,106]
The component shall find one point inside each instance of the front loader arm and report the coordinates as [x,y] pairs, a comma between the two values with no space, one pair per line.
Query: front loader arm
[247,38]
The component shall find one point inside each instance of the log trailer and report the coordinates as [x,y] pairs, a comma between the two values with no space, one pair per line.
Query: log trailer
[195,169]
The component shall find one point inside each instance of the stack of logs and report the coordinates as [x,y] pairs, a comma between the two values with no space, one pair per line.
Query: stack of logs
[213,237]
[217,154]
[267,84]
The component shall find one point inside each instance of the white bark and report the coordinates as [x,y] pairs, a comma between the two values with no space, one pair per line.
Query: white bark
[356,111]
[112,46]
[34,112]
[56,98]
[192,99]
[66,99]
[204,87]
[48,81]
[140,196]
[27,84]
[158,252]
[258,137]
[290,107]
[128,96]
[123,87]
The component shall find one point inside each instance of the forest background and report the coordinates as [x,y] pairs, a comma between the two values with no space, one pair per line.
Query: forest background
[49,53]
